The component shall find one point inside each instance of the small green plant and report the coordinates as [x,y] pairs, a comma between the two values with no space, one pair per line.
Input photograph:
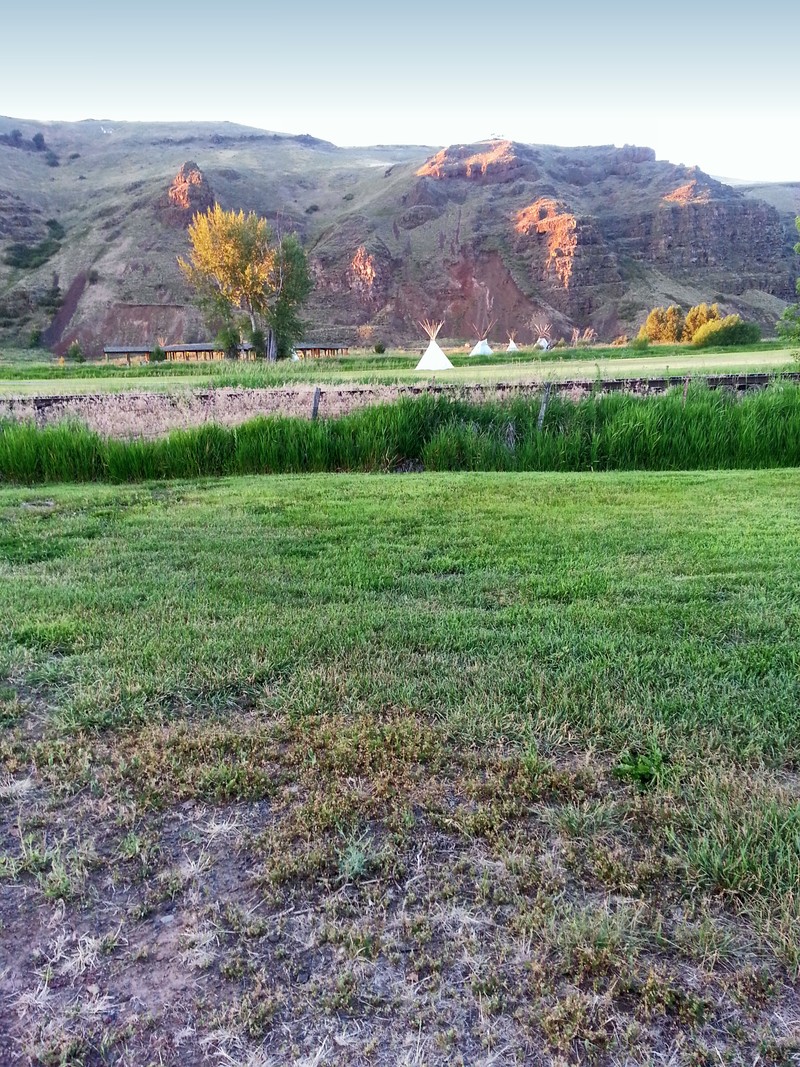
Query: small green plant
[355,856]
[643,768]
[640,343]
[157,355]
[379,348]
[35,339]
[75,353]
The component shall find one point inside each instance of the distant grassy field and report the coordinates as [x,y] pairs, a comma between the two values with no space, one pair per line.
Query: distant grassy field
[457,768]
[25,378]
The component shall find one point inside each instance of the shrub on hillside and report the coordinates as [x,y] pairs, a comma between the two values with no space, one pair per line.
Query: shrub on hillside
[732,330]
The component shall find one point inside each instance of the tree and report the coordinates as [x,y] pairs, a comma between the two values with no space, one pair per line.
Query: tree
[293,285]
[698,316]
[663,324]
[788,325]
[728,332]
[38,142]
[236,265]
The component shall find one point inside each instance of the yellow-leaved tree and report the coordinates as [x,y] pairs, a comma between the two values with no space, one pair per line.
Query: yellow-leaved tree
[698,316]
[235,264]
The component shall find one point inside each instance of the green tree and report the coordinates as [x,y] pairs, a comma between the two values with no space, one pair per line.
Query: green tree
[293,285]
[235,264]
[788,325]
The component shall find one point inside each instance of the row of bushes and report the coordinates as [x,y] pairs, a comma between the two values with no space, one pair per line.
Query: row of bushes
[700,429]
[703,326]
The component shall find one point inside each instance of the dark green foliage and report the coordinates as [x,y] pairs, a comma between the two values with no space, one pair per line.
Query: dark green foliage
[640,343]
[75,353]
[707,429]
[727,333]
[38,142]
[258,339]
[29,257]
[283,317]
[93,276]
[157,354]
[35,339]
[788,326]
[380,348]
[228,339]
[643,768]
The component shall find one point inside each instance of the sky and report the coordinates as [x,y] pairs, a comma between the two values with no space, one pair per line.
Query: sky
[711,84]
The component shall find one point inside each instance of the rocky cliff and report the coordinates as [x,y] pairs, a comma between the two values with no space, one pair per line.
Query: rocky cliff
[577,236]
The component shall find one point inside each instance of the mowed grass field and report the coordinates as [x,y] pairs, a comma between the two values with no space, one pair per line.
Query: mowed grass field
[20,377]
[432,769]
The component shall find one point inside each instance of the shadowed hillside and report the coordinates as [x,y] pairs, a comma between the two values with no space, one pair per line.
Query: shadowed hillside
[93,215]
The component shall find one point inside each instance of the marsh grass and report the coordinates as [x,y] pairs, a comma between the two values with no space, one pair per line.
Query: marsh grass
[696,429]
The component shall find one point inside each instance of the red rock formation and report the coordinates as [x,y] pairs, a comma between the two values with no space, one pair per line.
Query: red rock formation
[691,193]
[189,193]
[491,161]
[550,218]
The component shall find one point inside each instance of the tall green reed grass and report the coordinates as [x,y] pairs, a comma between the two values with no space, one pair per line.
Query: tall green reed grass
[702,430]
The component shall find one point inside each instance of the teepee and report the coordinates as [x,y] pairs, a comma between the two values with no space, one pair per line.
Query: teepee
[433,358]
[541,330]
[512,344]
[482,347]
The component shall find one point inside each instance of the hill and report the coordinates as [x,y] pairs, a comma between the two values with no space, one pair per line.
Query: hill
[93,215]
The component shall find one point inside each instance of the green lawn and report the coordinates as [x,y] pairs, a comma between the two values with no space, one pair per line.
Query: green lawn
[506,763]
[21,378]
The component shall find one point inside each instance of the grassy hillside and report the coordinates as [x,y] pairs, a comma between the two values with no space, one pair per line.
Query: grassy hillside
[460,767]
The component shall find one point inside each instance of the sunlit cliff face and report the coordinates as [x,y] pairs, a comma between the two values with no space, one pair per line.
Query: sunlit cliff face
[547,217]
[363,272]
[691,193]
[465,162]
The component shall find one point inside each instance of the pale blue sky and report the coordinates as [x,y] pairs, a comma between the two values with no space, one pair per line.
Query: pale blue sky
[699,82]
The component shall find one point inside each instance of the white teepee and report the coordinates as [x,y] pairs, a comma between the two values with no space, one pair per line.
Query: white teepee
[512,344]
[482,347]
[433,358]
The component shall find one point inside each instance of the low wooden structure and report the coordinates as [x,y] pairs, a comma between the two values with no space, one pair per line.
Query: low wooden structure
[316,350]
[183,353]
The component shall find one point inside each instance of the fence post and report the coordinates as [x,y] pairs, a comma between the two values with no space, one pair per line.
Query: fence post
[315,403]
[543,408]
